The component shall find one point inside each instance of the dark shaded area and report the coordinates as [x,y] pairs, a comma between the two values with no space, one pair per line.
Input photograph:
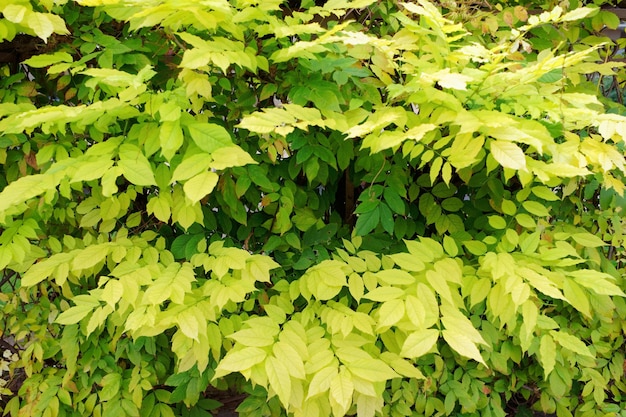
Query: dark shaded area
[20,48]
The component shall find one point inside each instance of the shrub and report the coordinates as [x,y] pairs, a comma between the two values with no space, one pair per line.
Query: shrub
[372,208]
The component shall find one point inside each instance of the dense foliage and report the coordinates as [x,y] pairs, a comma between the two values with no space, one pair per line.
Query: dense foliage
[366,207]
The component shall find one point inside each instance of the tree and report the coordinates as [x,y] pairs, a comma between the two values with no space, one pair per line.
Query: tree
[372,208]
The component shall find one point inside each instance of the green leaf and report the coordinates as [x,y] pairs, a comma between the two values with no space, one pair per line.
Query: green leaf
[200,186]
[111,384]
[386,218]
[551,76]
[419,343]
[367,222]
[209,137]
[452,204]
[394,201]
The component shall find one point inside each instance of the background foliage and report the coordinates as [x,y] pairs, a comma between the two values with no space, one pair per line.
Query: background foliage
[372,208]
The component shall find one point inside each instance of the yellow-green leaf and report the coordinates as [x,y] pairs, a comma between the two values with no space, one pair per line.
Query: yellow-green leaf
[41,24]
[44,60]
[341,390]
[536,208]
[135,166]
[160,207]
[588,240]
[279,379]
[291,358]
[576,296]
[74,314]
[390,313]
[321,380]
[110,386]
[394,277]
[209,137]
[571,343]
[230,156]
[191,166]
[15,13]
[415,311]
[188,324]
[508,154]
[439,283]
[596,281]
[547,354]
[240,360]
[419,343]
[256,336]
[356,287]
[408,261]
[462,345]
[90,256]
[541,283]
[384,294]
[201,185]
[373,370]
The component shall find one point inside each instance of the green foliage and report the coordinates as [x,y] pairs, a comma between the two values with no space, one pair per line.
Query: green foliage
[362,208]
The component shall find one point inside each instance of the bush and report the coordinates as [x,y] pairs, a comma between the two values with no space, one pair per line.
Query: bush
[371,208]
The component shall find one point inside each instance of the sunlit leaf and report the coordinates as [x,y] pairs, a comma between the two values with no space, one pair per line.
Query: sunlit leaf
[419,343]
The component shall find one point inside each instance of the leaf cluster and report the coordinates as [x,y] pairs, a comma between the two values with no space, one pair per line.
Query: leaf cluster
[356,208]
